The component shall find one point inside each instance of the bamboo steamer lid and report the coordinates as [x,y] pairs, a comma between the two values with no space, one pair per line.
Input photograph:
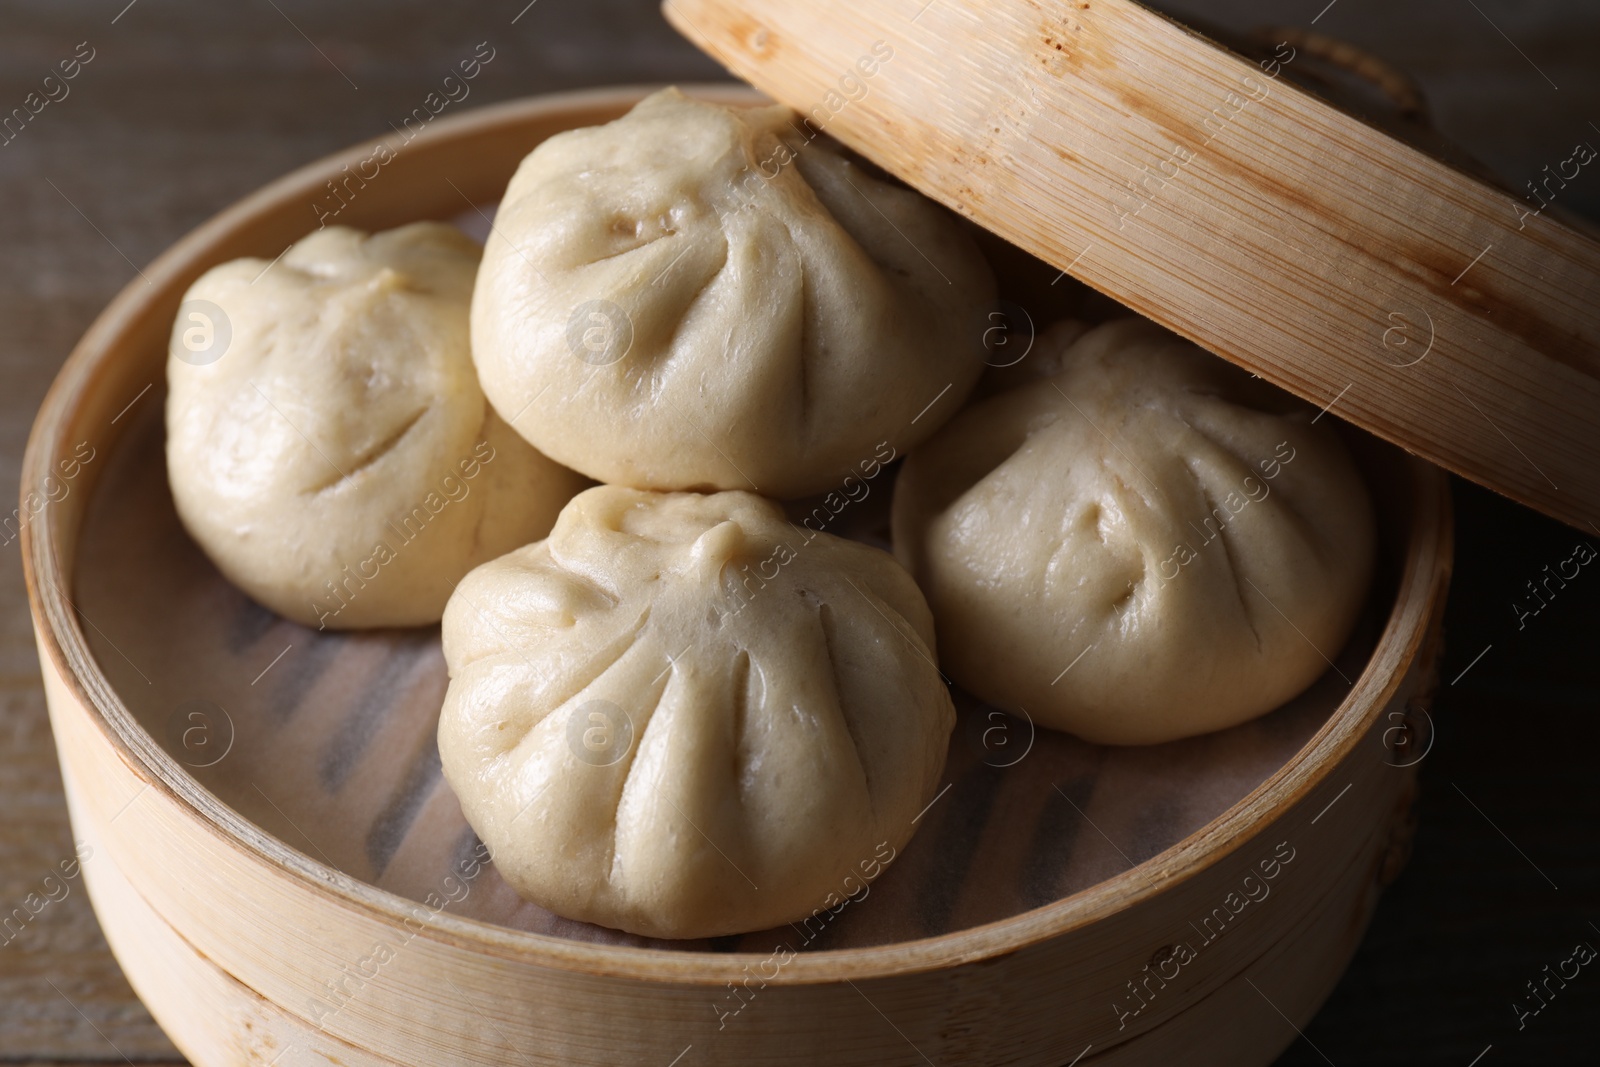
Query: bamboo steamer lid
[1210,194]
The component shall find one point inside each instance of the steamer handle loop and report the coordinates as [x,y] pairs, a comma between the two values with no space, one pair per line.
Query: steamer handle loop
[1401,89]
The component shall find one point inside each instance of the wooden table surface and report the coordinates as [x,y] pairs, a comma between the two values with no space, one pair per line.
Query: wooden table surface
[184,107]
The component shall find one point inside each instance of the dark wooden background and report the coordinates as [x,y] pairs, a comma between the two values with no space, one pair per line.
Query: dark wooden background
[187,106]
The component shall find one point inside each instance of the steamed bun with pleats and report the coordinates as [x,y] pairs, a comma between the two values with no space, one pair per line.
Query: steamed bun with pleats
[705,297]
[1144,545]
[328,445]
[679,717]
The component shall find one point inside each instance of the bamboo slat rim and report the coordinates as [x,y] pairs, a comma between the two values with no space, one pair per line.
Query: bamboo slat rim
[48,543]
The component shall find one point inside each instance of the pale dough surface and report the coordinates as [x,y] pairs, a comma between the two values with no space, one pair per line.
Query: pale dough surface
[651,734]
[698,297]
[1145,545]
[328,445]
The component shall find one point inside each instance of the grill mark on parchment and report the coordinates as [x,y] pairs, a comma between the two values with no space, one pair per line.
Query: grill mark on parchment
[1055,840]
[389,828]
[384,692]
[289,687]
[248,625]
[1154,822]
[958,834]
[467,847]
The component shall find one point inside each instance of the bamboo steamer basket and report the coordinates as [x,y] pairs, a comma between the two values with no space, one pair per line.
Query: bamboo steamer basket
[280,892]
